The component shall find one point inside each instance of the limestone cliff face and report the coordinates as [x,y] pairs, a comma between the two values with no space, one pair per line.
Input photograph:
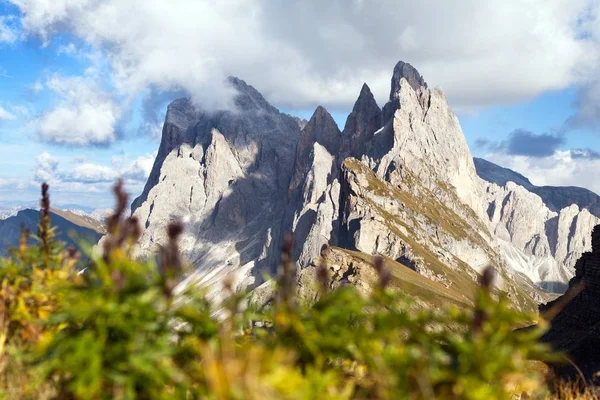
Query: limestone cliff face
[540,241]
[424,135]
[397,181]
[226,176]
[314,187]
[366,118]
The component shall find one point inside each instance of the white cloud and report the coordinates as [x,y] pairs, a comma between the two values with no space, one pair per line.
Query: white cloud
[303,53]
[77,181]
[46,166]
[36,87]
[5,115]
[8,33]
[85,114]
[564,168]
[84,173]
[140,168]
[91,173]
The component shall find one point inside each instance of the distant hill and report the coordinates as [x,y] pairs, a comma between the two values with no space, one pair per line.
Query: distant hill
[70,227]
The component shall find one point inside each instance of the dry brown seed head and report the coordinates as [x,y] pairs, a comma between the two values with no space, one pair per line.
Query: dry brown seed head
[174,230]
[378,264]
[136,231]
[487,278]
[288,240]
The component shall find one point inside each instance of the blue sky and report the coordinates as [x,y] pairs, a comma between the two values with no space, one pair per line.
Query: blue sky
[84,86]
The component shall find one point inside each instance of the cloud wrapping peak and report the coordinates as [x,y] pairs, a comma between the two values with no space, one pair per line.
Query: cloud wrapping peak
[473,49]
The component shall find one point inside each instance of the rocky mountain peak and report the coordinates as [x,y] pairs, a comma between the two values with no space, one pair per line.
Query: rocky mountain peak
[248,98]
[181,113]
[323,129]
[366,117]
[321,114]
[365,92]
[501,176]
[301,122]
[408,72]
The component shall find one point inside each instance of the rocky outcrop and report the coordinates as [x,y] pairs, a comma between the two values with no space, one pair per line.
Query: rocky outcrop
[347,267]
[314,188]
[575,317]
[366,118]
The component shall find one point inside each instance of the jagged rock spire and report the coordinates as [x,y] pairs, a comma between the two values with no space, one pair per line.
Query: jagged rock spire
[415,81]
[366,117]
[321,129]
[247,97]
[408,72]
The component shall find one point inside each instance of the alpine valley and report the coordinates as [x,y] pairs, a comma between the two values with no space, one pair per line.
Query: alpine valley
[397,181]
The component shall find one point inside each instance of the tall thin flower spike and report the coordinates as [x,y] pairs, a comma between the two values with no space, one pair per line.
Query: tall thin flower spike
[286,278]
[23,240]
[44,232]
[170,264]
[485,285]
[322,272]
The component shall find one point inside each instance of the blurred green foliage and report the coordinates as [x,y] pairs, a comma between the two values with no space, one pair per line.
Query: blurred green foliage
[117,330]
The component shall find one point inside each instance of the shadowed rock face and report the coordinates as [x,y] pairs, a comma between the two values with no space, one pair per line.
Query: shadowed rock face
[181,114]
[323,130]
[406,71]
[575,316]
[226,175]
[366,118]
[314,188]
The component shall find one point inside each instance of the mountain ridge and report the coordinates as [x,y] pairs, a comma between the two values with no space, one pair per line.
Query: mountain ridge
[555,197]
[66,222]
[240,178]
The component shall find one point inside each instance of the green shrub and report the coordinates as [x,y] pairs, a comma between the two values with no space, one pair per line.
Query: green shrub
[117,331]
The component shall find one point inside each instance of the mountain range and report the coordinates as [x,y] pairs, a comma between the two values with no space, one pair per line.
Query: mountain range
[398,181]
